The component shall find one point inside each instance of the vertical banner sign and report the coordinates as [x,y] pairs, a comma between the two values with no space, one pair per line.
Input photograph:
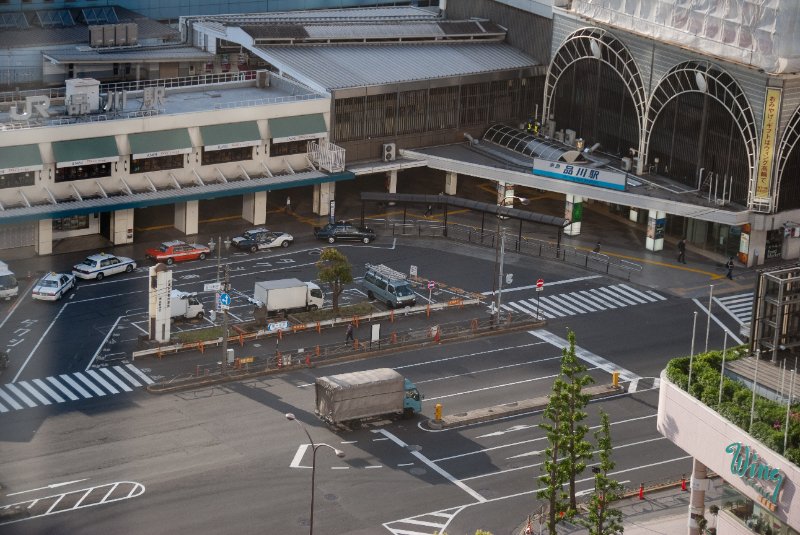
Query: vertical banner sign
[332,213]
[573,211]
[769,130]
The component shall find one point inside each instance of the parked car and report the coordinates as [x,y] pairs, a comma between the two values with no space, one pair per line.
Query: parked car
[261,238]
[53,286]
[344,230]
[98,266]
[170,252]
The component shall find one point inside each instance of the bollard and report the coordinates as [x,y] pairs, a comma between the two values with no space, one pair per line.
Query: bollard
[280,334]
[394,338]
[641,491]
[278,359]
[391,316]
[355,320]
[308,361]
[683,482]
[355,344]
[615,379]
[437,414]
[319,328]
[317,350]
[428,310]
[202,347]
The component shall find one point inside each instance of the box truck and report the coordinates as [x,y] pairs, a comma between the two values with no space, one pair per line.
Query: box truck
[8,282]
[287,295]
[184,305]
[366,395]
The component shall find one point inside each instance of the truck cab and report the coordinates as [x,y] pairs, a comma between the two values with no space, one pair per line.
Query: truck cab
[8,282]
[412,404]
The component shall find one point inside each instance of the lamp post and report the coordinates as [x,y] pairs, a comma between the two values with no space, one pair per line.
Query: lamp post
[314,448]
[226,287]
[500,253]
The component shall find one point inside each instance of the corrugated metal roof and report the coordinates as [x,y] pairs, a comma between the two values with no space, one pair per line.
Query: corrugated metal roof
[385,30]
[344,66]
[351,14]
[127,55]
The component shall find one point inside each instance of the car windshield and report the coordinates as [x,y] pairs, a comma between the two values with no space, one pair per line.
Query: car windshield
[403,290]
[8,281]
[164,247]
[49,283]
[248,235]
[87,262]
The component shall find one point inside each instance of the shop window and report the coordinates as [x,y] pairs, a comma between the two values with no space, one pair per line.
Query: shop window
[76,222]
[16,180]
[159,163]
[287,149]
[238,154]
[83,172]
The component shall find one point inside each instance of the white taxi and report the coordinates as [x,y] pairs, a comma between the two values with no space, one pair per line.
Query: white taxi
[53,286]
[98,266]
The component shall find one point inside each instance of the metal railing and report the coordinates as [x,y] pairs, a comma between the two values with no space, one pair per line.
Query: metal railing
[526,245]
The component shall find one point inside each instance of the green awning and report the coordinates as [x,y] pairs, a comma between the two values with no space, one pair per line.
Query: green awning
[20,159]
[85,151]
[230,136]
[160,143]
[297,128]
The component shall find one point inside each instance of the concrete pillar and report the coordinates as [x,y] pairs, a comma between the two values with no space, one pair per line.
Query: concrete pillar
[505,191]
[186,215]
[699,485]
[323,195]
[450,183]
[754,248]
[633,215]
[656,223]
[122,226]
[44,237]
[573,210]
[391,183]
[254,207]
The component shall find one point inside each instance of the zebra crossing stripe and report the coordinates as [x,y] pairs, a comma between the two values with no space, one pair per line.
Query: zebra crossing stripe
[587,302]
[21,395]
[114,378]
[543,310]
[423,523]
[553,308]
[567,305]
[610,303]
[648,297]
[120,370]
[41,384]
[657,295]
[631,295]
[3,408]
[35,393]
[11,401]
[67,392]
[586,355]
[99,378]
[85,380]
[519,305]
[619,296]
[140,374]
[67,379]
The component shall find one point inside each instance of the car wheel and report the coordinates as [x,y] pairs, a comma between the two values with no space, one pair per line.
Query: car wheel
[99,276]
[370,295]
[253,248]
[58,296]
[199,315]
[331,239]
[365,240]
[169,261]
[202,256]
[129,268]
[286,243]
[312,308]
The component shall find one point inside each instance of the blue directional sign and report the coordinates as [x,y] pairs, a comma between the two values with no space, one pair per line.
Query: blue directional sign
[224,299]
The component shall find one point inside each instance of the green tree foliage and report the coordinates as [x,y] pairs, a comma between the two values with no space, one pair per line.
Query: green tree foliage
[335,270]
[554,473]
[575,448]
[602,519]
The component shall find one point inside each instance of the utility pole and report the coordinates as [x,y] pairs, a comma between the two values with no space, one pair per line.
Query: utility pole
[226,288]
[500,277]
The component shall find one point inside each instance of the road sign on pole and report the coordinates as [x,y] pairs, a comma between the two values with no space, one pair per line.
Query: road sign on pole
[212,286]
[431,284]
[540,285]
[224,301]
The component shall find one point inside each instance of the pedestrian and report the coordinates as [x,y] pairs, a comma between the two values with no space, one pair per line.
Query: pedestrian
[729,267]
[429,210]
[682,251]
[288,205]
[597,247]
[349,337]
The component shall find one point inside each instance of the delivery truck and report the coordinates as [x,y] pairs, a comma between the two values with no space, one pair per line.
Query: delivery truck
[366,395]
[287,295]
[8,282]
[183,305]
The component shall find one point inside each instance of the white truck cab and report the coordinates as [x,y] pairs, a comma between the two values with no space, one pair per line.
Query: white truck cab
[8,282]
[183,305]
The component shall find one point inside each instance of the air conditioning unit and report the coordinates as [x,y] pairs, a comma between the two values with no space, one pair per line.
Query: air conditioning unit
[559,136]
[627,164]
[569,137]
[389,152]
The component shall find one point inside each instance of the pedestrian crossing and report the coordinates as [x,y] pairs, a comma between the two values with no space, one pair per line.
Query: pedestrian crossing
[424,524]
[582,302]
[71,387]
[738,306]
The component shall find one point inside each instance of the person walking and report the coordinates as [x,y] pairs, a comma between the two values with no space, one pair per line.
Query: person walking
[288,205]
[682,251]
[597,247]
[429,210]
[349,336]
[729,267]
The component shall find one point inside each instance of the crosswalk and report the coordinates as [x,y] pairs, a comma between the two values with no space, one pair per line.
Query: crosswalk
[76,386]
[738,306]
[424,524]
[583,301]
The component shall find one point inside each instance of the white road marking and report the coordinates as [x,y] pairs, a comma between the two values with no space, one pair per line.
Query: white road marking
[140,373]
[21,395]
[67,379]
[118,381]
[718,322]
[35,393]
[97,377]
[547,285]
[52,486]
[103,343]
[41,384]
[585,355]
[63,307]
[64,390]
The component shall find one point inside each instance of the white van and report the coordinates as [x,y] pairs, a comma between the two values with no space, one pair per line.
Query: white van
[8,282]
[390,286]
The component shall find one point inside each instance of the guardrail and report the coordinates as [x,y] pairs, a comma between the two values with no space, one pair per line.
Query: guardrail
[526,245]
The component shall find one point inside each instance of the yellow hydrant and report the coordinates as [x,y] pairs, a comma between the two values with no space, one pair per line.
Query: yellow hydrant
[615,379]
[438,412]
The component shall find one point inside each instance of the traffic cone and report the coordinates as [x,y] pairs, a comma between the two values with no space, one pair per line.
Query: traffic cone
[683,482]
[641,491]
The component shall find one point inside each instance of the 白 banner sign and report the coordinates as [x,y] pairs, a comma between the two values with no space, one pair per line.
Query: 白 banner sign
[579,173]
[755,472]
[769,130]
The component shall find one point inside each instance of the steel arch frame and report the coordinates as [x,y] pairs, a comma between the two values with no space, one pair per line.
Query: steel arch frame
[789,140]
[722,87]
[613,52]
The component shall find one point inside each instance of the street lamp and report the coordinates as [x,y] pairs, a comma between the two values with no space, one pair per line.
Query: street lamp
[500,252]
[314,448]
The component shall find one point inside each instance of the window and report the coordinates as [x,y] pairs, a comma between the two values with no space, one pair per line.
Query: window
[16,180]
[227,155]
[159,163]
[76,222]
[83,172]
[286,149]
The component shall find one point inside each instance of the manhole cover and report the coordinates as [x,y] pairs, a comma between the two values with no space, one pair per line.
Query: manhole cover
[331,497]
[418,471]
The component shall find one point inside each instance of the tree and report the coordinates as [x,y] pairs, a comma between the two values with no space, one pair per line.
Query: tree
[335,270]
[603,519]
[576,449]
[554,468]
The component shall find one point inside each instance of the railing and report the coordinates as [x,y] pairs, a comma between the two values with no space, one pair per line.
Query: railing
[526,245]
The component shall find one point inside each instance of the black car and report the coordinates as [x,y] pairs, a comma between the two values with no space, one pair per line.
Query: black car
[343,230]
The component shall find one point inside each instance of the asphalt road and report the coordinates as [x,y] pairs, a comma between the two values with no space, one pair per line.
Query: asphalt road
[225,459]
